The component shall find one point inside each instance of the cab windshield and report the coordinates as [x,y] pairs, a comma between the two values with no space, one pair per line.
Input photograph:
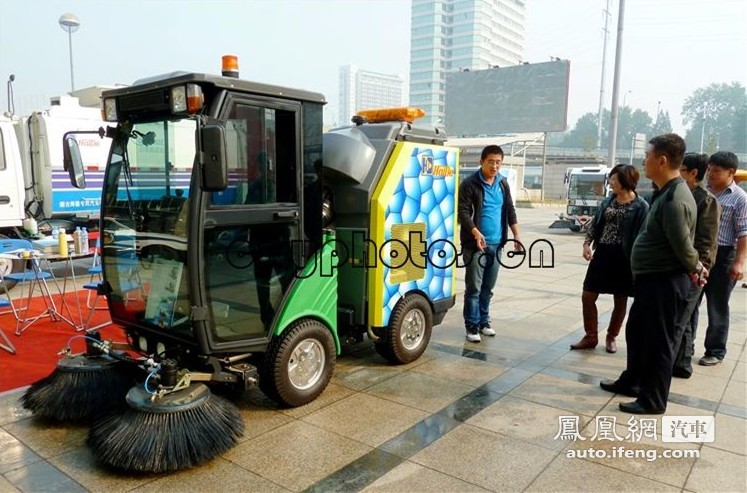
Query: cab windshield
[144,223]
[587,187]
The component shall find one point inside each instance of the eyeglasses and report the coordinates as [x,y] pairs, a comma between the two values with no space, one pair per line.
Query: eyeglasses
[493,162]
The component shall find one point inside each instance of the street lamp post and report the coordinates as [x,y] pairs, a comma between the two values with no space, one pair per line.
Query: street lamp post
[70,23]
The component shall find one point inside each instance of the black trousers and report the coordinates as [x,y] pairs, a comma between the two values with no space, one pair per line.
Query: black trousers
[651,334]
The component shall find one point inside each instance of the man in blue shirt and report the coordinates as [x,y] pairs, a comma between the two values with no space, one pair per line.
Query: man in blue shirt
[486,213]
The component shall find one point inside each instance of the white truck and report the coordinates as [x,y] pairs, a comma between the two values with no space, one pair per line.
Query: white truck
[586,187]
[33,180]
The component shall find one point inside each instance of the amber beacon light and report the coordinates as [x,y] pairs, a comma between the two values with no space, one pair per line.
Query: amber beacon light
[230,66]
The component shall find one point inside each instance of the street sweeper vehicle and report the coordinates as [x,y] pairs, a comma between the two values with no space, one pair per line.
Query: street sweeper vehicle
[283,244]
[586,188]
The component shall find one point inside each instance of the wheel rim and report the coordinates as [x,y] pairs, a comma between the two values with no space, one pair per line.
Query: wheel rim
[306,364]
[413,329]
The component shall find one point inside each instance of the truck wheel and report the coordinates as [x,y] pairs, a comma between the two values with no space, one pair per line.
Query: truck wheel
[409,330]
[298,364]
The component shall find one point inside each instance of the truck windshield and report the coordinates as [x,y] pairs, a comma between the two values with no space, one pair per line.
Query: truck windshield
[587,187]
[144,223]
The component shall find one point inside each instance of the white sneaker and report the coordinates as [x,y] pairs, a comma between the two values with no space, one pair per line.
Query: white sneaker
[473,337]
[487,331]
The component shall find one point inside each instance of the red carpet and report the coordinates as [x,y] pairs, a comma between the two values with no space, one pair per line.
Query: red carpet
[38,347]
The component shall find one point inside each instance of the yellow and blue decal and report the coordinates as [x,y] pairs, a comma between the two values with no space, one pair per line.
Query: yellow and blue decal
[416,197]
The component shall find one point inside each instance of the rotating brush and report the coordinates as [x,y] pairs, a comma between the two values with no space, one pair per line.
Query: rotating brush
[166,433]
[81,387]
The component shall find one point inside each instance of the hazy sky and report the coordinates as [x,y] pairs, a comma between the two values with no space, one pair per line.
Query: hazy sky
[671,47]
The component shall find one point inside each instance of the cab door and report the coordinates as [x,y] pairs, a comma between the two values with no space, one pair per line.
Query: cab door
[11,178]
[252,229]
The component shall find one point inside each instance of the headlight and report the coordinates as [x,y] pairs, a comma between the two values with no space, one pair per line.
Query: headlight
[110,110]
[179,99]
[187,98]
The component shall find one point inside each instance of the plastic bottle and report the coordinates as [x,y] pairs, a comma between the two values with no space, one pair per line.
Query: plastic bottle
[84,241]
[77,243]
[55,232]
[62,238]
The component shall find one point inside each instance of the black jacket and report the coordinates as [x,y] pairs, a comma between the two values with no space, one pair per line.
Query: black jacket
[471,198]
[631,222]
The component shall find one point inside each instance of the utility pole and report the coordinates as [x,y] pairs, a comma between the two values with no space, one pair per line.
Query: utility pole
[615,85]
[601,85]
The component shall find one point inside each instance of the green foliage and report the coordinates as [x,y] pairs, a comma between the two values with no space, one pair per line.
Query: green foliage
[717,115]
[629,122]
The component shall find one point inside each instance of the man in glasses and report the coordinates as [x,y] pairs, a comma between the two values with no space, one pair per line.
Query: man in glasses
[486,213]
[731,254]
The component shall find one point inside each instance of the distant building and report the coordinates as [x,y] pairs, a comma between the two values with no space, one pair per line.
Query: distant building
[451,35]
[361,89]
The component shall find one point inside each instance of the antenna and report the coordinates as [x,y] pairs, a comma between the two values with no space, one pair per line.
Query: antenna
[11,103]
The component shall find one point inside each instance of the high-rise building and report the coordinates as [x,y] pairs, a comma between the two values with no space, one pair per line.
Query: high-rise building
[361,89]
[460,35]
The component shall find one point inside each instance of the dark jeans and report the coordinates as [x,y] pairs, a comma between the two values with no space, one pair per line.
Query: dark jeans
[650,333]
[717,293]
[685,347]
[480,277]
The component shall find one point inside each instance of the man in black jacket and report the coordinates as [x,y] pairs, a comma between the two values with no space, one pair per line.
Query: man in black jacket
[486,212]
[664,262]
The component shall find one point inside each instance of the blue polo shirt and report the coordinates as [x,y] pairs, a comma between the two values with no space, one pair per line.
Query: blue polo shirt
[492,208]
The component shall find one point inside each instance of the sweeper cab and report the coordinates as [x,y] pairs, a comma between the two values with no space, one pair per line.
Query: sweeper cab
[242,246]
[586,188]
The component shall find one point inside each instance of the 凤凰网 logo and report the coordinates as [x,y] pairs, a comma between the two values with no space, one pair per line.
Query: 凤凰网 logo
[428,167]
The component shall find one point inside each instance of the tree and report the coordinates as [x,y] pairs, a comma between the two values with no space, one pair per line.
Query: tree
[629,123]
[662,125]
[584,133]
[717,113]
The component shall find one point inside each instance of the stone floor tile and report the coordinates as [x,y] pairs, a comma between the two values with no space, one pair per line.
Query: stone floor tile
[703,386]
[568,474]
[48,439]
[296,455]
[462,370]
[731,434]
[10,407]
[596,362]
[42,476]
[366,418]
[7,487]
[646,455]
[735,394]
[723,371]
[14,454]
[740,372]
[562,394]
[409,477]
[717,470]
[217,475]
[332,393]
[419,391]
[492,461]
[527,421]
[361,377]
[79,463]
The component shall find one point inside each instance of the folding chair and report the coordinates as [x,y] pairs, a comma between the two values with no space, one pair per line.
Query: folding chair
[35,277]
[95,273]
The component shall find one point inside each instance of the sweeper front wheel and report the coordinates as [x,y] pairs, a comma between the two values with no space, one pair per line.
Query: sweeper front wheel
[408,332]
[298,365]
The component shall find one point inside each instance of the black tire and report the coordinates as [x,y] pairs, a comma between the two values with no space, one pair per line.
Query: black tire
[409,330]
[306,338]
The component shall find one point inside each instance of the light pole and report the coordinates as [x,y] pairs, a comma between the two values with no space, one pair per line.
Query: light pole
[70,23]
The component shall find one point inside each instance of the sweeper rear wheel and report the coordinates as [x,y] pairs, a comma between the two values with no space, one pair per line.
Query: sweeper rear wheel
[299,364]
[409,330]
[176,431]
[80,388]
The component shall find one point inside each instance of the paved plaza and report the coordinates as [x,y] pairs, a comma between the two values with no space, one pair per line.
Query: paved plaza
[464,417]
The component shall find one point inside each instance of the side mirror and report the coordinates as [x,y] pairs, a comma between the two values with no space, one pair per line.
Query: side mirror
[73,162]
[213,164]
